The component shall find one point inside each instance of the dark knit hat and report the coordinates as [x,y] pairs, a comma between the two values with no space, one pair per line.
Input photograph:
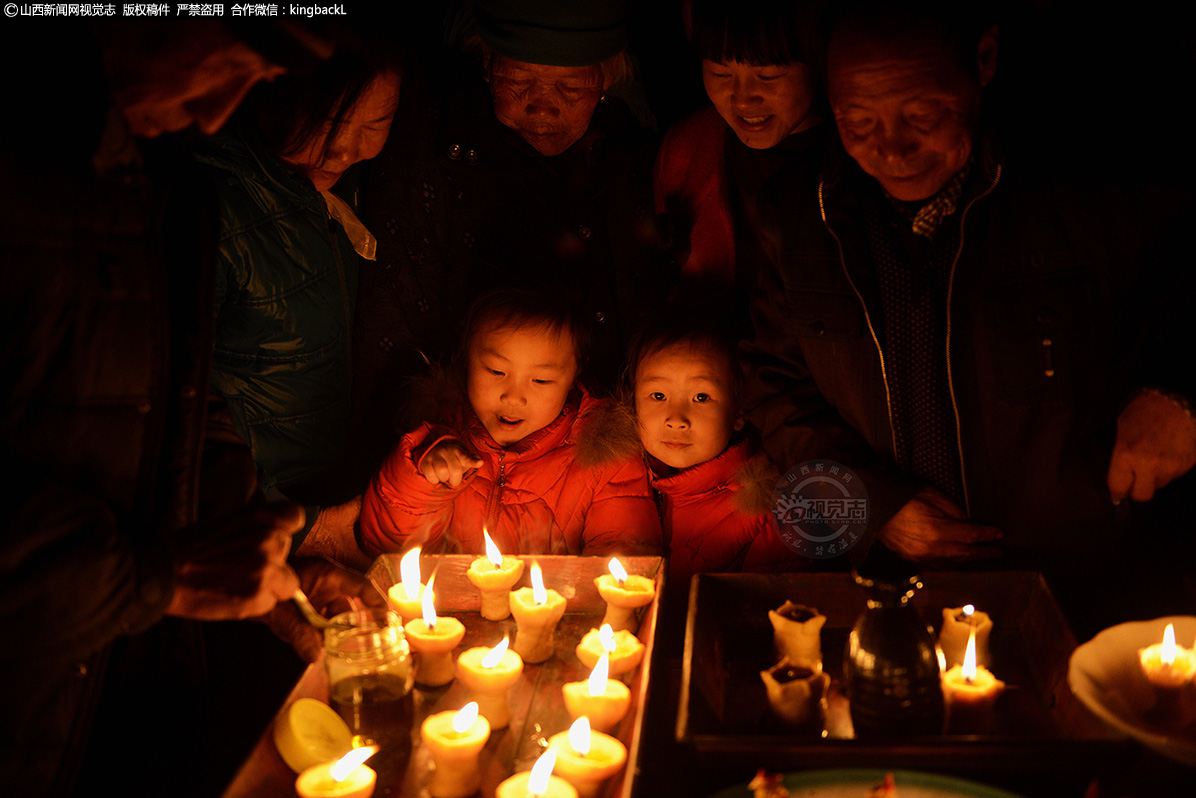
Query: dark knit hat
[554,32]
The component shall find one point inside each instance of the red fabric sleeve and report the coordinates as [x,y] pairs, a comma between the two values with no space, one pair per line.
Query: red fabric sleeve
[400,506]
[622,518]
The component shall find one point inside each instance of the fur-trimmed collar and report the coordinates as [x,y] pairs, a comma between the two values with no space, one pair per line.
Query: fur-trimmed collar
[742,468]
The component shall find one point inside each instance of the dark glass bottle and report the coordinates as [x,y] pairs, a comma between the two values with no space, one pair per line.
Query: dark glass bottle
[891,666]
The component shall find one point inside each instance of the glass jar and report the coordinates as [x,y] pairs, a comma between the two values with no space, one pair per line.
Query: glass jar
[891,666]
[370,676]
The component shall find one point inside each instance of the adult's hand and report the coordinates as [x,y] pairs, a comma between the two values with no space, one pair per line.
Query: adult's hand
[932,527]
[1156,442]
[332,588]
[332,535]
[447,462]
[236,568]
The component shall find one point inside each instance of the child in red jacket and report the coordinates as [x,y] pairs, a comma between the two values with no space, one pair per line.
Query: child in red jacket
[533,458]
[714,481]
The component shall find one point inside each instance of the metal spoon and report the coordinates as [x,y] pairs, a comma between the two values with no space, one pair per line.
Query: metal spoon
[314,618]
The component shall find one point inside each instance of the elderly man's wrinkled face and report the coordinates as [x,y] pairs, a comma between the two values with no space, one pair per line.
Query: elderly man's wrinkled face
[549,106]
[906,110]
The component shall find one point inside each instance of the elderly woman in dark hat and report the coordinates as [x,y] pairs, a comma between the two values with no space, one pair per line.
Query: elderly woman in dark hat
[518,168]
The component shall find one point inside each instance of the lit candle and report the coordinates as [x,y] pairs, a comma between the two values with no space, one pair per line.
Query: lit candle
[969,693]
[796,694]
[604,701]
[623,595]
[406,598]
[454,739]
[489,674]
[958,623]
[537,783]
[494,575]
[624,648]
[433,639]
[797,634]
[347,777]
[537,612]
[1168,667]
[586,758]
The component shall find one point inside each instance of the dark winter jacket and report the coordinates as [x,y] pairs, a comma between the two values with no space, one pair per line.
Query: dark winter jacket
[578,486]
[1062,301]
[285,292]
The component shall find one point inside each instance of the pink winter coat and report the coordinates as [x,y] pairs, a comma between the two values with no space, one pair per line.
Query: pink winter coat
[578,486]
[717,517]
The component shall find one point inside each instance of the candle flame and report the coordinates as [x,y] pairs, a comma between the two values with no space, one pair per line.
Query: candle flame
[539,594]
[496,653]
[607,635]
[599,674]
[409,573]
[617,570]
[942,658]
[1167,651]
[968,671]
[492,552]
[464,719]
[579,735]
[429,609]
[348,763]
[968,610]
[537,782]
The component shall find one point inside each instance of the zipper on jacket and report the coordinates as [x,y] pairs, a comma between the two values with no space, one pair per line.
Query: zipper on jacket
[340,273]
[884,375]
[499,484]
[963,219]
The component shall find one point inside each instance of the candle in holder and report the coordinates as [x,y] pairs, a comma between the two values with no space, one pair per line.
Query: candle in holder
[604,701]
[489,674]
[586,758]
[969,693]
[1168,667]
[797,634]
[958,623]
[454,739]
[494,575]
[797,694]
[406,598]
[624,648]
[623,595]
[537,612]
[537,783]
[347,777]
[433,639]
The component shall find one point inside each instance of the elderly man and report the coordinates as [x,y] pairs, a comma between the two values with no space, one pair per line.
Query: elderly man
[988,345]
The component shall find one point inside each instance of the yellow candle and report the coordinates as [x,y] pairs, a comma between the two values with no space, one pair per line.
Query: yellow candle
[623,595]
[494,575]
[489,674]
[586,758]
[958,623]
[454,739]
[537,612]
[604,701]
[796,693]
[406,598]
[433,639]
[969,693]
[624,648]
[345,778]
[537,783]
[797,634]
[1168,667]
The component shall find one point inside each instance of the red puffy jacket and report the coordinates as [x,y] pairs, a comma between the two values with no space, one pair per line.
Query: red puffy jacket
[717,517]
[578,486]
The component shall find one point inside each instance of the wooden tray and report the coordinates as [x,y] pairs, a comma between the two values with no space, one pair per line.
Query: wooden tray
[1040,726]
[537,709]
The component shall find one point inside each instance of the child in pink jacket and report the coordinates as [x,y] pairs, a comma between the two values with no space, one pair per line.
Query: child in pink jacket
[532,458]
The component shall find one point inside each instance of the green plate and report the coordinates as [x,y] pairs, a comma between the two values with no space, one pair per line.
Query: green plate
[855,783]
